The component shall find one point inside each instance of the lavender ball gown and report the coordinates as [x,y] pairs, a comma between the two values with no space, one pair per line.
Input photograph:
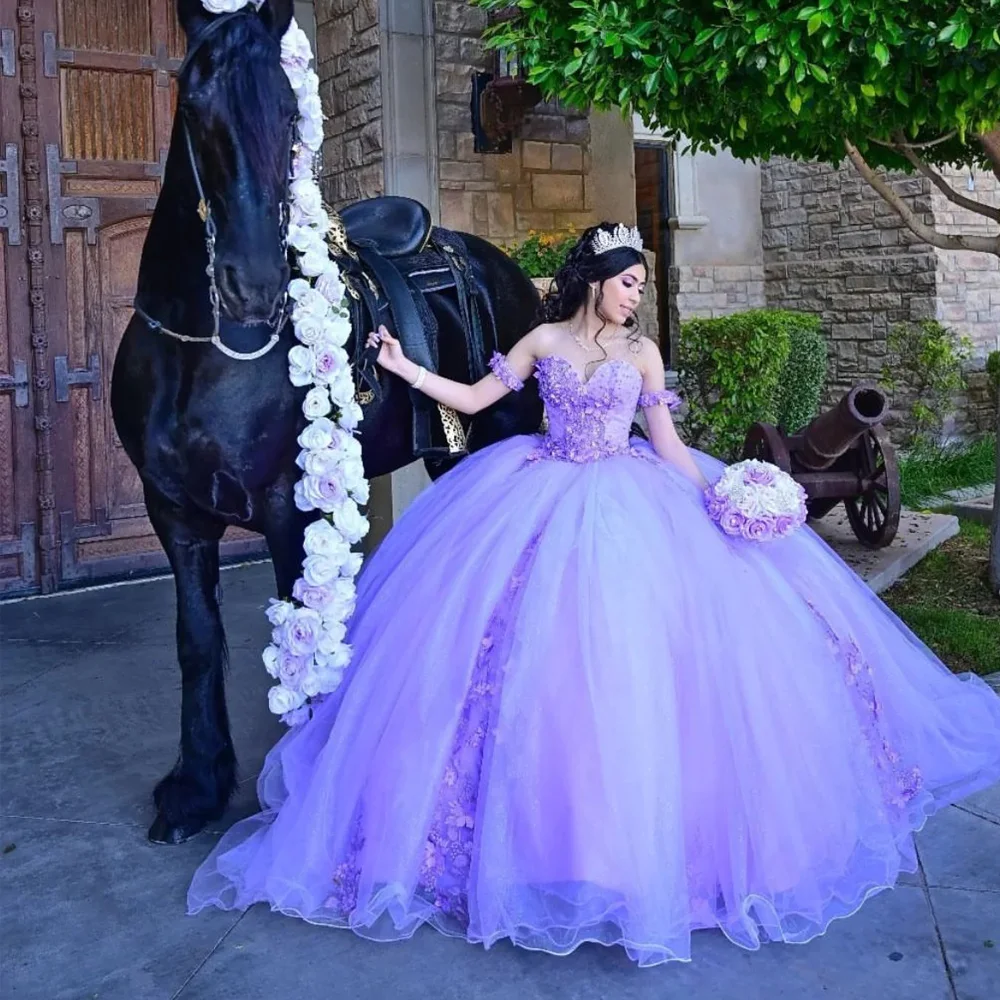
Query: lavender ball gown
[579,712]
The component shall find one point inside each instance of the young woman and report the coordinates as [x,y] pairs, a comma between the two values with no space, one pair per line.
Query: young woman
[577,711]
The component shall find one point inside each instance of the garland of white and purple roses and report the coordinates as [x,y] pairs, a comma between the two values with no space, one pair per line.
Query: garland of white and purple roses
[307,654]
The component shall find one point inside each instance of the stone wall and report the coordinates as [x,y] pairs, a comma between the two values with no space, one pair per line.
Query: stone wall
[705,290]
[833,247]
[968,295]
[978,411]
[968,284]
[541,185]
[348,54]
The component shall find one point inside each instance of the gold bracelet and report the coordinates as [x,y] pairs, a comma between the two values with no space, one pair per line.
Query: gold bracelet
[419,380]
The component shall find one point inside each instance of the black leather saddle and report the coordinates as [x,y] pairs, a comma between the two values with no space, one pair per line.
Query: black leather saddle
[394,264]
[391,226]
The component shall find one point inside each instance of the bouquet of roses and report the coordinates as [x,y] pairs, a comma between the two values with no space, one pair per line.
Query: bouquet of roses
[757,501]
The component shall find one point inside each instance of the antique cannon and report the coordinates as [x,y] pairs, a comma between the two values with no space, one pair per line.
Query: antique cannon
[844,455]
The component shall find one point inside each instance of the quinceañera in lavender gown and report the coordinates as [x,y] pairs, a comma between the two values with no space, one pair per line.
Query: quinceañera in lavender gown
[578,711]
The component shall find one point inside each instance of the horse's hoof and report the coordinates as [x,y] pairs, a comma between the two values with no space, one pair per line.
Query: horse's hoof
[163,831]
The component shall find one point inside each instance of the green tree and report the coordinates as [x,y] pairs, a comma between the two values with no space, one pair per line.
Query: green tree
[888,85]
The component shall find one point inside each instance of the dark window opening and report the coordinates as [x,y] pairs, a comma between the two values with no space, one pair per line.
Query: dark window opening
[652,202]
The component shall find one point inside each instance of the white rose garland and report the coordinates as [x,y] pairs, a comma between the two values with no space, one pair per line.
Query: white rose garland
[228,6]
[307,655]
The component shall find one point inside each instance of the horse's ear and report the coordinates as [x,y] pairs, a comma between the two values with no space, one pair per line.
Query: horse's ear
[278,15]
[192,16]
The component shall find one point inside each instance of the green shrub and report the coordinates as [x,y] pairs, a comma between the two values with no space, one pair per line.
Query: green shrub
[801,384]
[993,371]
[540,255]
[926,359]
[730,369]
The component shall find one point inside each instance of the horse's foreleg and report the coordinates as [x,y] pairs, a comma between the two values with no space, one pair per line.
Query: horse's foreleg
[198,788]
[284,526]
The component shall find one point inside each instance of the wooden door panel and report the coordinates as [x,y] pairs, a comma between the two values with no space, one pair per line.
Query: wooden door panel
[18,568]
[108,64]
[107,115]
[106,25]
[652,218]
[18,491]
[108,533]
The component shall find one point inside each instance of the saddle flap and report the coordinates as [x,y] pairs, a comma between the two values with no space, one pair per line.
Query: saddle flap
[391,226]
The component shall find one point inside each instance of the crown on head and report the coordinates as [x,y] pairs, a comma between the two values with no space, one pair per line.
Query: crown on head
[621,236]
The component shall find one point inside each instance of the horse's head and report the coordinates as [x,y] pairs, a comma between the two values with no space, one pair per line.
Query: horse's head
[237,108]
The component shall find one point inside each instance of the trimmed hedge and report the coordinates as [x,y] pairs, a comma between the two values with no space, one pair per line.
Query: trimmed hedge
[760,365]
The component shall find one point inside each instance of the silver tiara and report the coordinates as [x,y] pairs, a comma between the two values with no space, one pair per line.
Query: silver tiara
[620,236]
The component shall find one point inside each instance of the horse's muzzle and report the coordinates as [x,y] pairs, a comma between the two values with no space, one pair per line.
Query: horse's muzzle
[253,296]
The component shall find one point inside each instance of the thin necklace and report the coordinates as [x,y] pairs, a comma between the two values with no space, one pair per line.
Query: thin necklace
[590,348]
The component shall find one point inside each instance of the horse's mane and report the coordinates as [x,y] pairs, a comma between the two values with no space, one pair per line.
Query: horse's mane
[244,52]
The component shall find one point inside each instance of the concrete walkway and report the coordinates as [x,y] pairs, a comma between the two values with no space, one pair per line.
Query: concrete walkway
[919,534]
[91,911]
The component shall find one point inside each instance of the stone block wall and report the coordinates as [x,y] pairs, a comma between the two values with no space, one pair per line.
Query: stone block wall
[717,290]
[978,412]
[542,184]
[708,291]
[833,247]
[968,284]
[349,68]
[968,288]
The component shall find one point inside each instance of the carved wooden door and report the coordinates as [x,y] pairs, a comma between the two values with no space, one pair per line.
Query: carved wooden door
[18,458]
[106,96]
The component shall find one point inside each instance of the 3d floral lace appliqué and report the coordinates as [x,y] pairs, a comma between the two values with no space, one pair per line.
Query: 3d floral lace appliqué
[447,860]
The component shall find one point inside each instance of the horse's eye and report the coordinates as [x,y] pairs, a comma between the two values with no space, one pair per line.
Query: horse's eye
[188,103]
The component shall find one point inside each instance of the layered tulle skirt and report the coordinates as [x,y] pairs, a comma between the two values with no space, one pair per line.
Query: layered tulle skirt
[578,712]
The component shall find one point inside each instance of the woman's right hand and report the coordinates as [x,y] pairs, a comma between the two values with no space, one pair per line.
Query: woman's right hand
[390,355]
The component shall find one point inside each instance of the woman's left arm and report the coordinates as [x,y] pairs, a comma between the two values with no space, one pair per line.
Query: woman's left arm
[656,402]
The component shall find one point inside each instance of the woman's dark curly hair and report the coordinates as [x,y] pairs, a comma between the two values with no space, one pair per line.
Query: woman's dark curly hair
[582,268]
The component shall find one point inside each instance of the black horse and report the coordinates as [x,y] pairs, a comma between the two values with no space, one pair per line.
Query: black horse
[213,436]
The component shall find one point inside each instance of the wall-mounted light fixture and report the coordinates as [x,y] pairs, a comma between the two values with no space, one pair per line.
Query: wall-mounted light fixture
[501,97]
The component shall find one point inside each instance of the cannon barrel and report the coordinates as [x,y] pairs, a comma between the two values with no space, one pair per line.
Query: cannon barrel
[827,437]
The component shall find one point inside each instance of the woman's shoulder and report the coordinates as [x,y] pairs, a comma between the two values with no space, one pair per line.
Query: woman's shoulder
[546,333]
[649,353]
[543,339]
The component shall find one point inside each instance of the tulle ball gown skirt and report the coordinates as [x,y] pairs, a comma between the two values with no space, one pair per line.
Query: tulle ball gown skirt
[579,712]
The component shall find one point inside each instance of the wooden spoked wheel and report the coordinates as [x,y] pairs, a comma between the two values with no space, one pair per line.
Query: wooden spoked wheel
[764,443]
[874,515]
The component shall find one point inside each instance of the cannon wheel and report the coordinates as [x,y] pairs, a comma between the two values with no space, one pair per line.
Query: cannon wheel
[764,442]
[874,515]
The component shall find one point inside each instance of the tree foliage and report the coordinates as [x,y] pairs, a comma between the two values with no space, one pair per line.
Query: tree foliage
[912,85]
[776,77]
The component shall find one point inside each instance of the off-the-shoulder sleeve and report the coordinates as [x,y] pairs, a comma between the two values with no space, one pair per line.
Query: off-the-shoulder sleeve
[503,371]
[662,397]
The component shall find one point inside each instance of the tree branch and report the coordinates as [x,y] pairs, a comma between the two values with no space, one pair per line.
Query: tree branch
[990,141]
[972,204]
[915,145]
[981,244]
